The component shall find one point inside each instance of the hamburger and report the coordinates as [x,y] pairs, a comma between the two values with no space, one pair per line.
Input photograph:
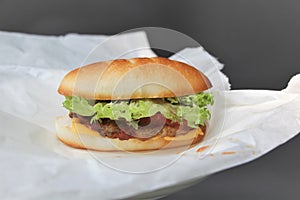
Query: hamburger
[134,104]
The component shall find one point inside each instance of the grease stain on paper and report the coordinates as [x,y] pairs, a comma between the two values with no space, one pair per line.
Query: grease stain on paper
[203,148]
[228,152]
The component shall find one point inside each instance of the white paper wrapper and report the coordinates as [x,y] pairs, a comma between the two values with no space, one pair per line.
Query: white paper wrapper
[245,124]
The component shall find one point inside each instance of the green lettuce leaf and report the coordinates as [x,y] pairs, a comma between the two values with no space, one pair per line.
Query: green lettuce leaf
[192,108]
[79,105]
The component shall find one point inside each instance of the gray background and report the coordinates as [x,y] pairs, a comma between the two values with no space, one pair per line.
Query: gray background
[258,41]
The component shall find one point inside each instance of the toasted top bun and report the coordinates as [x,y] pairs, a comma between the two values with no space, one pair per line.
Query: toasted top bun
[134,78]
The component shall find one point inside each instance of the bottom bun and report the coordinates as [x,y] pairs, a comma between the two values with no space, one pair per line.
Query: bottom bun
[78,135]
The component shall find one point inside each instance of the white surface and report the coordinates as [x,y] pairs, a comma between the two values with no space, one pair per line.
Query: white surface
[35,165]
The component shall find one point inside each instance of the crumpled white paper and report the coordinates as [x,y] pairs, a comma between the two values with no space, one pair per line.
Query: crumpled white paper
[245,124]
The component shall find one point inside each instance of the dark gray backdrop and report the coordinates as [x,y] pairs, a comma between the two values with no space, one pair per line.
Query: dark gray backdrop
[259,42]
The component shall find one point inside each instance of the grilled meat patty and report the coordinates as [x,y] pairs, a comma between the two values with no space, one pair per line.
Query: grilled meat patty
[147,127]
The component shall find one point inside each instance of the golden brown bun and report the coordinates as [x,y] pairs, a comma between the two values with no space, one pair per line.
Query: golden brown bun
[134,78]
[79,136]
